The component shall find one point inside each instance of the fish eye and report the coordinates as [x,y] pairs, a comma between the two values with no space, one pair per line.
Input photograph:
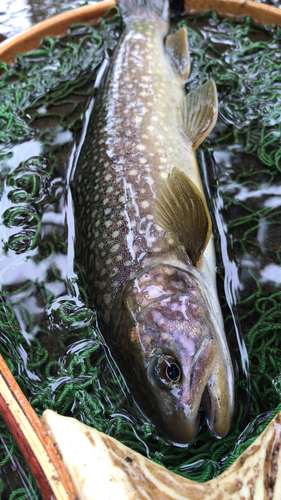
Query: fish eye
[173,372]
[167,370]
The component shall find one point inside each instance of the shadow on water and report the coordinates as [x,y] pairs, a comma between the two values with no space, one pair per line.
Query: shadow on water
[48,329]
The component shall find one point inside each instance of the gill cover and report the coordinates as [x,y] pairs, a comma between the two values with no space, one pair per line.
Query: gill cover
[170,351]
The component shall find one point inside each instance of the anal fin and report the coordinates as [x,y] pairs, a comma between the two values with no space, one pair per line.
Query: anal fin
[181,210]
[177,48]
[198,113]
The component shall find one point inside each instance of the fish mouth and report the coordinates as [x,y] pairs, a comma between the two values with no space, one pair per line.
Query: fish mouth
[210,394]
[218,409]
[218,418]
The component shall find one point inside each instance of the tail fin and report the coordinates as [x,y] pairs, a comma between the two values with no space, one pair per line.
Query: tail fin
[130,7]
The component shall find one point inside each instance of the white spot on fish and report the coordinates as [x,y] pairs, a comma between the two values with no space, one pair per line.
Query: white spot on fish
[106,298]
[107,223]
[115,247]
[145,204]
[133,172]
[141,147]
[115,234]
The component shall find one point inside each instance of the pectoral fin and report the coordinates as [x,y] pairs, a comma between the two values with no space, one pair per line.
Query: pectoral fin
[177,48]
[198,113]
[181,210]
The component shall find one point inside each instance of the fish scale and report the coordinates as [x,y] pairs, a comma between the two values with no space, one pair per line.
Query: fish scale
[145,231]
[126,159]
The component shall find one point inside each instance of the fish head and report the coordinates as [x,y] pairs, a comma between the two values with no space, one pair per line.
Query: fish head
[169,351]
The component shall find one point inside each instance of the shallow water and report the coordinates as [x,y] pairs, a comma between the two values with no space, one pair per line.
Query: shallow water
[17,15]
[48,330]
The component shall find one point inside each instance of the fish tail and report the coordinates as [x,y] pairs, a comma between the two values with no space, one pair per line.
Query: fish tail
[130,7]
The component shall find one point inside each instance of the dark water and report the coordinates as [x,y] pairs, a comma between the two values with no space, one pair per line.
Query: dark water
[48,331]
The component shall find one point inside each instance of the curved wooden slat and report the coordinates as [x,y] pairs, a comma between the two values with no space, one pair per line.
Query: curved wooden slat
[30,435]
[56,26]
[259,13]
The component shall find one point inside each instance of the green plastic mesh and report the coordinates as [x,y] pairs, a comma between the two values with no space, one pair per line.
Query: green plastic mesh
[48,335]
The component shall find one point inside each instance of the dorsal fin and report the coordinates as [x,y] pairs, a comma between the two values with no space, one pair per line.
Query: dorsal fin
[181,210]
[177,48]
[198,113]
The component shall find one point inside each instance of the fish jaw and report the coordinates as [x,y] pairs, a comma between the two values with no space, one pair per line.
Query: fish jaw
[170,353]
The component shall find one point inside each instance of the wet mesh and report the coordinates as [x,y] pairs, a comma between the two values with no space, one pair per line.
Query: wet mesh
[48,334]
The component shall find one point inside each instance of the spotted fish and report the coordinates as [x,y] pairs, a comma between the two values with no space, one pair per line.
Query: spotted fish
[145,230]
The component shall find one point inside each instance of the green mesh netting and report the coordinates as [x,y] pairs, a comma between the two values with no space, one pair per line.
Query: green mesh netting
[48,335]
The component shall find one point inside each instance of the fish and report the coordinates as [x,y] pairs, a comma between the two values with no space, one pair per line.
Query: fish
[144,231]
